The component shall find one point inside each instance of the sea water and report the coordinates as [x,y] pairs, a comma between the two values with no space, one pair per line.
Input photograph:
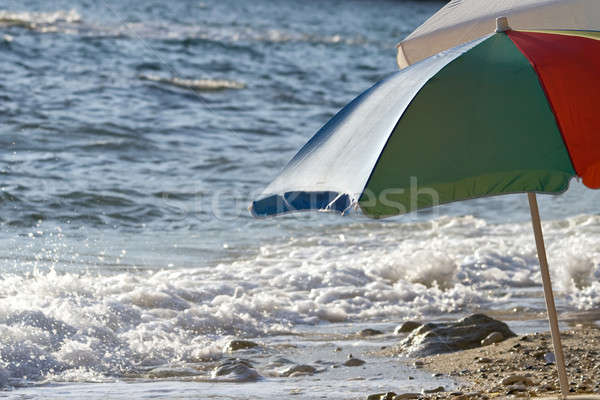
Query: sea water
[134,136]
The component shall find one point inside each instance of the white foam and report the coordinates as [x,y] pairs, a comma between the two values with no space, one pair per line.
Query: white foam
[71,22]
[196,84]
[66,325]
[39,21]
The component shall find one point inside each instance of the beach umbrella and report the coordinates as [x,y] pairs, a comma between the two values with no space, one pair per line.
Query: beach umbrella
[461,21]
[510,112]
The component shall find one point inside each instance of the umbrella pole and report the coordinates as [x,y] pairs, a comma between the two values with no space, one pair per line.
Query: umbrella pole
[552,317]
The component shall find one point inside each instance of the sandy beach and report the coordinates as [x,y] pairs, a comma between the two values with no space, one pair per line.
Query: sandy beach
[521,366]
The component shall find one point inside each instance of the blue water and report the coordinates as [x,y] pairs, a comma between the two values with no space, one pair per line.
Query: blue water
[91,145]
[135,135]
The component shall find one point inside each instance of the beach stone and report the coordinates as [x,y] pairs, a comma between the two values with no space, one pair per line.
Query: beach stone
[235,345]
[370,332]
[517,379]
[278,362]
[236,370]
[516,389]
[549,358]
[407,327]
[446,337]
[438,389]
[382,396]
[354,362]
[494,337]
[404,396]
[298,370]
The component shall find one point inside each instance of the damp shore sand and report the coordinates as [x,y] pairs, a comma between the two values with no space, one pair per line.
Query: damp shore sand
[517,367]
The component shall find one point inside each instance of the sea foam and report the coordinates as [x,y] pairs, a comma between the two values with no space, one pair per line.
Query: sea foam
[196,84]
[122,323]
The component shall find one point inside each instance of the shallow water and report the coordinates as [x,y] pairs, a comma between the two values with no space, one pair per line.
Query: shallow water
[136,134]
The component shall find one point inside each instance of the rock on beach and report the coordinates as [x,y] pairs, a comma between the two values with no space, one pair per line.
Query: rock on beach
[446,337]
[407,327]
[518,367]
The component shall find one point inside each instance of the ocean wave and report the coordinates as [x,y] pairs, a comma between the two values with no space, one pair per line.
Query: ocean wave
[225,34]
[196,84]
[282,36]
[124,323]
[63,21]
[39,21]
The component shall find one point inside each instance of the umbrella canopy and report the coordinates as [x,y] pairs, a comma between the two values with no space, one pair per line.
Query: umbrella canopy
[513,111]
[463,20]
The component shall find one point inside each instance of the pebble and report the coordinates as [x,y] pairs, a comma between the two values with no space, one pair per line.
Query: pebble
[354,362]
[236,370]
[406,396]
[370,332]
[278,362]
[419,364]
[436,390]
[515,379]
[516,389]
[382,396]
[494,337]
[235,345]
[547,388]
[298,370]
[407,327]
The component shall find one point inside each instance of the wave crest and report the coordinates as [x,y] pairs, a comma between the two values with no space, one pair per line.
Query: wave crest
[39,21]
[196,84]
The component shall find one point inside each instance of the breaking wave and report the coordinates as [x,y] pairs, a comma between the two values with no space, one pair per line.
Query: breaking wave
[86,326]
[63,21]
[39,21]
[196,84]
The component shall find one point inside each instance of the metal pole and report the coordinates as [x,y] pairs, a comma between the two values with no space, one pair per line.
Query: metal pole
[552,317]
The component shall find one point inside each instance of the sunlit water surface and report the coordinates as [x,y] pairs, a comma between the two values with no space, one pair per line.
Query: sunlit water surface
[136,133]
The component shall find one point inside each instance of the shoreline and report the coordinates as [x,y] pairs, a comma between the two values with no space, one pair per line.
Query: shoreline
[521,366]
